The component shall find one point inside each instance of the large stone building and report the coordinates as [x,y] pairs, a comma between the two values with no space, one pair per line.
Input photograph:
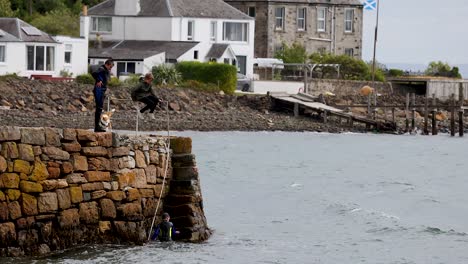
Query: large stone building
[326,26]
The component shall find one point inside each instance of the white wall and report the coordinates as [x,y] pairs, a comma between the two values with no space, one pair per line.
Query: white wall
[148,63]
[79,59]
[15,58]
[263,87]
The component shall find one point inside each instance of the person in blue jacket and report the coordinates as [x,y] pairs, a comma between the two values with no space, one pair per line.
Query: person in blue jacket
[102,77]
[165,231]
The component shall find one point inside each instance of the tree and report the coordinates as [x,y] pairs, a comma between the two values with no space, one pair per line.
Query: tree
[5,9]
[294,54]
[439,68]
[69,23]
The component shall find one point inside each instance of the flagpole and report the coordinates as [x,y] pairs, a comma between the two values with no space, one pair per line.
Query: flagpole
[375,43]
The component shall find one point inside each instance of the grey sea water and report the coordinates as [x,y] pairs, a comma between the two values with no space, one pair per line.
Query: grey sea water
[277,197]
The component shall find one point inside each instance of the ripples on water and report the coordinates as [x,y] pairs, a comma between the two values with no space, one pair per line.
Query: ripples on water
[319,198]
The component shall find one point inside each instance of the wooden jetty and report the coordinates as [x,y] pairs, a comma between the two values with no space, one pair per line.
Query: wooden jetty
[301,104]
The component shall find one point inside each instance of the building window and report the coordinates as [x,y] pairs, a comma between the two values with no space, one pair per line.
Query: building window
[190,30]
[252,11]
[349,18]
[279,18]
[213,31]
[349,52]
[226,61]
[195,54]
[125,67]
[321,19]
[2,53]
[278,48]
[235,31]
[68,53]
[40,58]
[301,18]
[102,24]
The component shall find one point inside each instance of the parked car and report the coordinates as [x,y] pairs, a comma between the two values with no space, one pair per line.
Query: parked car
[243,83]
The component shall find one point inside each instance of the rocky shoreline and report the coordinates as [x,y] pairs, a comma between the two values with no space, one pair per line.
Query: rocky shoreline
[30,103]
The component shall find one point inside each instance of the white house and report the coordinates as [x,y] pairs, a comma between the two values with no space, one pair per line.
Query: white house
[131,31]
[27,51]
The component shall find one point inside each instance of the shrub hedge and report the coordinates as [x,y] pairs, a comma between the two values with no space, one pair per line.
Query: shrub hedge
[209,72]
[85,79]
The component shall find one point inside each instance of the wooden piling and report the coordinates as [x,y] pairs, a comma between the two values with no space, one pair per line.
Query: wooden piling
[325,118]
[374,111]
[296,109]
[461,99]
[407,113]
[393,114]
[452,116]
[426,115]
[434,113]
[413,113]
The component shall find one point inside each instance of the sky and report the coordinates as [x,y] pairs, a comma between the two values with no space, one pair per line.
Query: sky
[418,32]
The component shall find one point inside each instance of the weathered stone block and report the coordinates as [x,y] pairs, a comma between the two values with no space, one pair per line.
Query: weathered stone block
[21,166]
[69,218]
[154,157]
[25,152]
[185,173]
[45,217]
[31,187]
[33,136]
[94,186]
[116,195]
[80,163]
[49,185]
[85,135]
[29,204]
[76,194]
[98,194]
[181,145]
[14,210]
[108,210]
[131,231]
[115,185]
[133,194]
[53,136]
[37,150]
[39,172]
[120,151]
[97,176]
[9,150]
[25,222]
[104,139]
[7,234]
[146,193]
[47,202]
[76,178]
[104,226]
[125,178]
[140,179]
[69,134]
[86,196]
[64,198]
[89,213]
[3,211]
[10,180]
[66,167]
[151,174]
[131,211]
[54,172]
[2,197]
[99,163]
[71,147]
[3,164]
[9,133]
[94,151]
[107,186]
[140,160]
[12,194]
[56,153]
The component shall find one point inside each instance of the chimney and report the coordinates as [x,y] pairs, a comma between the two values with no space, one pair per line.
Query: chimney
[127,7]
[84,23]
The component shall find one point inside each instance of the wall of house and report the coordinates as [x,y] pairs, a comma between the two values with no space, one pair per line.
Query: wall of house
[345,40]
[79,59]
[150,62]
[63,188]
[202,34]
[15,58]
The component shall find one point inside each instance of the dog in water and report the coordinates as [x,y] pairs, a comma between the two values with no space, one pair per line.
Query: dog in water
[105,122]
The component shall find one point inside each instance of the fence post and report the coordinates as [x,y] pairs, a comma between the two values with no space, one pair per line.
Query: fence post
[426,115]
[434,113]
[461,99]
[452,116]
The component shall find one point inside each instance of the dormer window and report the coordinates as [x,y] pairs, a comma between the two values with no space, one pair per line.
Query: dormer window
[101,24]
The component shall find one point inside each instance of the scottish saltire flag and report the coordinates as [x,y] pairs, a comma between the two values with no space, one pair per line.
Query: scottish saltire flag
[370,4]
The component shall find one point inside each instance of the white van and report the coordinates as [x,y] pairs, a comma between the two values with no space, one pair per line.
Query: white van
[267,63]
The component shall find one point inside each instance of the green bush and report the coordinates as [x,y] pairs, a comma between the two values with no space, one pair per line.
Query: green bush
[395,72]
[114,82]
[9,76]
[164,74]
[132,80]
[222,75]
[85,79]
[196,85]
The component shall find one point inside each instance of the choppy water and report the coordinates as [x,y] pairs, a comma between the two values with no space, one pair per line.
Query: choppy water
[320,198]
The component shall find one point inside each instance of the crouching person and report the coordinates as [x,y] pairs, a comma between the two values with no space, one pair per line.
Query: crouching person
[165,231]
[144,93]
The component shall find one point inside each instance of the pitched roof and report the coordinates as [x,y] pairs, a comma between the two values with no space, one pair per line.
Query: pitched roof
[141,49]
[176,8]
[18,31]
[217,50]
[330,2]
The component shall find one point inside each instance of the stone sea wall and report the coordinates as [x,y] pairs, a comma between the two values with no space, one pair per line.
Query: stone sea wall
[63,188]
